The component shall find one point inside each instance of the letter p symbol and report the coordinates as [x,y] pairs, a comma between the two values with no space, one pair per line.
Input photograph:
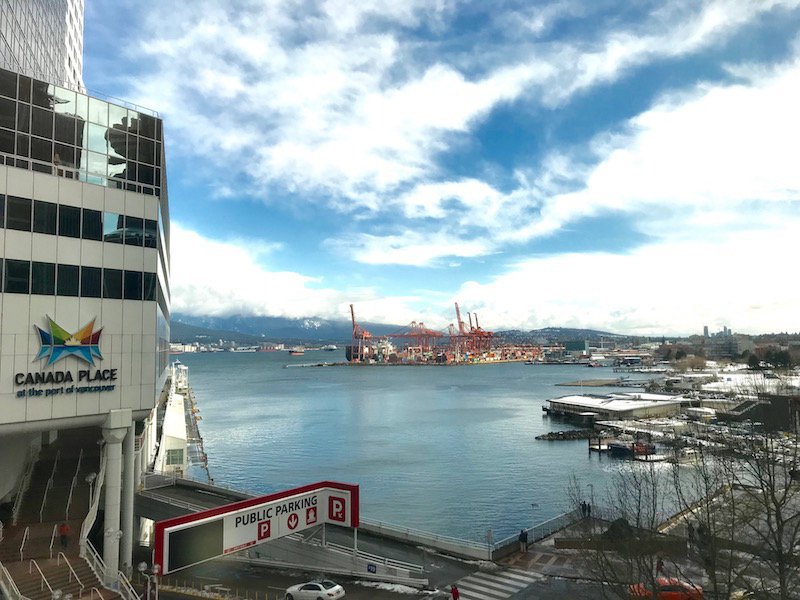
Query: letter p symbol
[336,509]
[263,530]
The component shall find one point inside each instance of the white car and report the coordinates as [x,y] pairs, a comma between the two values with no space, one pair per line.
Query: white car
[315,590]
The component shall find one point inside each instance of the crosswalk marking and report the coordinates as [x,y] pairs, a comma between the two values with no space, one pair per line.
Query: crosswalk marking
[494,586]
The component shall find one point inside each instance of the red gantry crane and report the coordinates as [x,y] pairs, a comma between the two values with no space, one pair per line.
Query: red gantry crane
[473,341]
[361,347]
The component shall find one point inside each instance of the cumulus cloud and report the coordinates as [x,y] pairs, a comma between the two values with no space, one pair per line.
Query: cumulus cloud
[740,281]
[234,276]
[342,98]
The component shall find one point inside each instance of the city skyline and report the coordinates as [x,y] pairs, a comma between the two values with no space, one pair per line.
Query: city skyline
[620,168]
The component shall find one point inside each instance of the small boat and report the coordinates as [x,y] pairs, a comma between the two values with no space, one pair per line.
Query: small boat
[329,347]
[297,352]
[624,449]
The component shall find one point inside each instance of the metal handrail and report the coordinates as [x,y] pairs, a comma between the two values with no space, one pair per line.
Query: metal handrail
[49,485]
[69,498]
[384,560]
[74,483]
[71,570]
[90,555]
[1,531]
[125,588]
[53,539]
[6,579]
[23,486]
[25,537]
[425,534]
[32,564]
[92,591]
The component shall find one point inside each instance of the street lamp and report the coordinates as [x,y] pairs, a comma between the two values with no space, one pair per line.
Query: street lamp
[90,480]
[142,568]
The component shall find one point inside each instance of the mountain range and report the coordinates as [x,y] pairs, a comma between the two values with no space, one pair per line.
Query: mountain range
[244,329]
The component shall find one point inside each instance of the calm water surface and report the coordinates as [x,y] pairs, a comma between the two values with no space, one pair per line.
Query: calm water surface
[445,449]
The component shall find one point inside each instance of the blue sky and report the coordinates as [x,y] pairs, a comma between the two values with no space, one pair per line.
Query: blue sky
[631,167]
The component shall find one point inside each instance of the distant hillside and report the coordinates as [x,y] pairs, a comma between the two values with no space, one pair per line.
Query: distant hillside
[252,330]
[274,329]
[555,335]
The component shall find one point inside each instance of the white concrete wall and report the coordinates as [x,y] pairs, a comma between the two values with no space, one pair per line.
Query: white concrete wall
[128,342]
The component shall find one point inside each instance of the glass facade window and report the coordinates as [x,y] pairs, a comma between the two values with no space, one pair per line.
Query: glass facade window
[150,233]
[69,221]
[68,280]
[8,113]
[42,123]
[43,278]
[92,224]
[6,141]
[8,84]
[17,276]
[44,217]
[113,227]
[149,283]
[79,137]
[133,285]
[18,213]
[91,282]
[134,231]
[112,283]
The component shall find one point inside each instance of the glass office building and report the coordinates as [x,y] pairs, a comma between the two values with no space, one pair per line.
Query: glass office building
[84,261]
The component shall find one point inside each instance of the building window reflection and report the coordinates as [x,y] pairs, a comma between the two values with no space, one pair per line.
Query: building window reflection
[95,141]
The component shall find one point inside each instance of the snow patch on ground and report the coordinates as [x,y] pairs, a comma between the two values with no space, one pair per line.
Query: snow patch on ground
[390,587]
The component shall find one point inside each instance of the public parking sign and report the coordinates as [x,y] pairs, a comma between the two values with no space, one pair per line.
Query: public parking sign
[188,540]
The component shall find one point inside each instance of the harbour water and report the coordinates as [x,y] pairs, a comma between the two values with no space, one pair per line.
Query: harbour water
[449,450]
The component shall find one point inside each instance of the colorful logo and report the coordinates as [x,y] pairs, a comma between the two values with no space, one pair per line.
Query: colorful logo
[58,343]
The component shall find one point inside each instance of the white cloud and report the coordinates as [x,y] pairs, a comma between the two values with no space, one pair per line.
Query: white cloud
[338,97]
[217,278]
[742,281]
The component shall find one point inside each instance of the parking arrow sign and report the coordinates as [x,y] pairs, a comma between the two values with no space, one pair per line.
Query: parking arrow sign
[292,521]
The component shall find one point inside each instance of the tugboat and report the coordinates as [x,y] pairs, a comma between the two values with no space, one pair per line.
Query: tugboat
[623,449]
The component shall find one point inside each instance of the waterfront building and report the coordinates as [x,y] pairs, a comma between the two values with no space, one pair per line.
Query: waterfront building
[84,244]
[618,406]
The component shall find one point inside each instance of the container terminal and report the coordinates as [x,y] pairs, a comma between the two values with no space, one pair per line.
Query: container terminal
[462,343]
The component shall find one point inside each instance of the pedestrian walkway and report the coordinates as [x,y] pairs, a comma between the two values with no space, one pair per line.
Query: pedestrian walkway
[495,585]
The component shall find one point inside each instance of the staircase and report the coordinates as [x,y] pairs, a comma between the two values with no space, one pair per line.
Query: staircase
[58,493]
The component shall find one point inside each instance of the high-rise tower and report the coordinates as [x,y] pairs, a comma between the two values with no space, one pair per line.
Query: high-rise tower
[84,251]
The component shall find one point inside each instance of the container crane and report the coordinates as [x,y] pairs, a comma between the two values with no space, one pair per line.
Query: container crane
[361,346]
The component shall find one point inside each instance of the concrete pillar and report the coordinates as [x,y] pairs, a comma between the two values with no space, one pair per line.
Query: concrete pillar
[128,490]
[114,430]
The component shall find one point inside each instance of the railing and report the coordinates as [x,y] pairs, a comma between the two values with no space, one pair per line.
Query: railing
[375,558]
[546,528]
[94,502]
[49,485]
[23,485]
[8,586]
[25,537]
[32,564]
[1,531]
[53,539]
[71,570]
[92,593]
[466,548]
[73,484]
[90,555]
[125,588]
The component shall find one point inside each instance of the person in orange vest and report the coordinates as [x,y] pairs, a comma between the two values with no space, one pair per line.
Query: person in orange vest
[63,531]
[454,592]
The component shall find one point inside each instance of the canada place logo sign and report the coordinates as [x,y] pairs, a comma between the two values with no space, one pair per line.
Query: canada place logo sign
[58,343]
